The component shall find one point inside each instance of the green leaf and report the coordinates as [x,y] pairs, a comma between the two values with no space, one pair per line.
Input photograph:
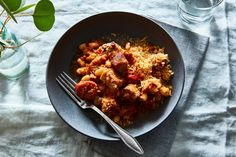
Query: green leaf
[5,7]
[13,5]
[44,17]
[23,8]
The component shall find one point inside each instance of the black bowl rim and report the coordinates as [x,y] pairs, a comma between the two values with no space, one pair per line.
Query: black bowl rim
[114,12]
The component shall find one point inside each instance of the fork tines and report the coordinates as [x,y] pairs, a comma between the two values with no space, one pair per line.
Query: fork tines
[67,83]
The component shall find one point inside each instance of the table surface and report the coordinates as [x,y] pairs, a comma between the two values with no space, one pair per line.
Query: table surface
[29,125]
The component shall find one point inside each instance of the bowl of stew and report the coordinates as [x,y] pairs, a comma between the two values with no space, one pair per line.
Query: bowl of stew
[125,64]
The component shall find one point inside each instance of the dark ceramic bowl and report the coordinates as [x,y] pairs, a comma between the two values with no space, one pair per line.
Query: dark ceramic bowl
[95,27]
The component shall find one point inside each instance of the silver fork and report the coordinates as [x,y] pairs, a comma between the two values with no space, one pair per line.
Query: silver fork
[68,84]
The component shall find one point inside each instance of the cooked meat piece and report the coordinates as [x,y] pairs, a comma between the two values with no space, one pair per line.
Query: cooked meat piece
[151,85]
[86,90]
[131,92]
[129,57]
[109,106]
[109,78]
[119,63]
[108,48]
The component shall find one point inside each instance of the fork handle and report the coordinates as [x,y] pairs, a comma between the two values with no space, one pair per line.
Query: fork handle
[129,140]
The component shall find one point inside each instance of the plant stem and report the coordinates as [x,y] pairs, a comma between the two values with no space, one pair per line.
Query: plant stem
[29,40]
[4,23]
[11,47]
[2,12]
[14,47]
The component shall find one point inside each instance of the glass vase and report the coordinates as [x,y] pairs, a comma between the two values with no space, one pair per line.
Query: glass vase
[13,61]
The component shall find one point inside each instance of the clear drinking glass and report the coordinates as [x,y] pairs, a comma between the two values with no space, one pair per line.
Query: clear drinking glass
[13,62]
[197,11]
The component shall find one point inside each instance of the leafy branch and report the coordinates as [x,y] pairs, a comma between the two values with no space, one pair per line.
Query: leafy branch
[43,15]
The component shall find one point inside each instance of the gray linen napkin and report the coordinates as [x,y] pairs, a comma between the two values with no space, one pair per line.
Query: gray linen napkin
[158,142]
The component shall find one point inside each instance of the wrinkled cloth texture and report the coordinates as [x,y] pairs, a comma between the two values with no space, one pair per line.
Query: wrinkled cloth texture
[202,124]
